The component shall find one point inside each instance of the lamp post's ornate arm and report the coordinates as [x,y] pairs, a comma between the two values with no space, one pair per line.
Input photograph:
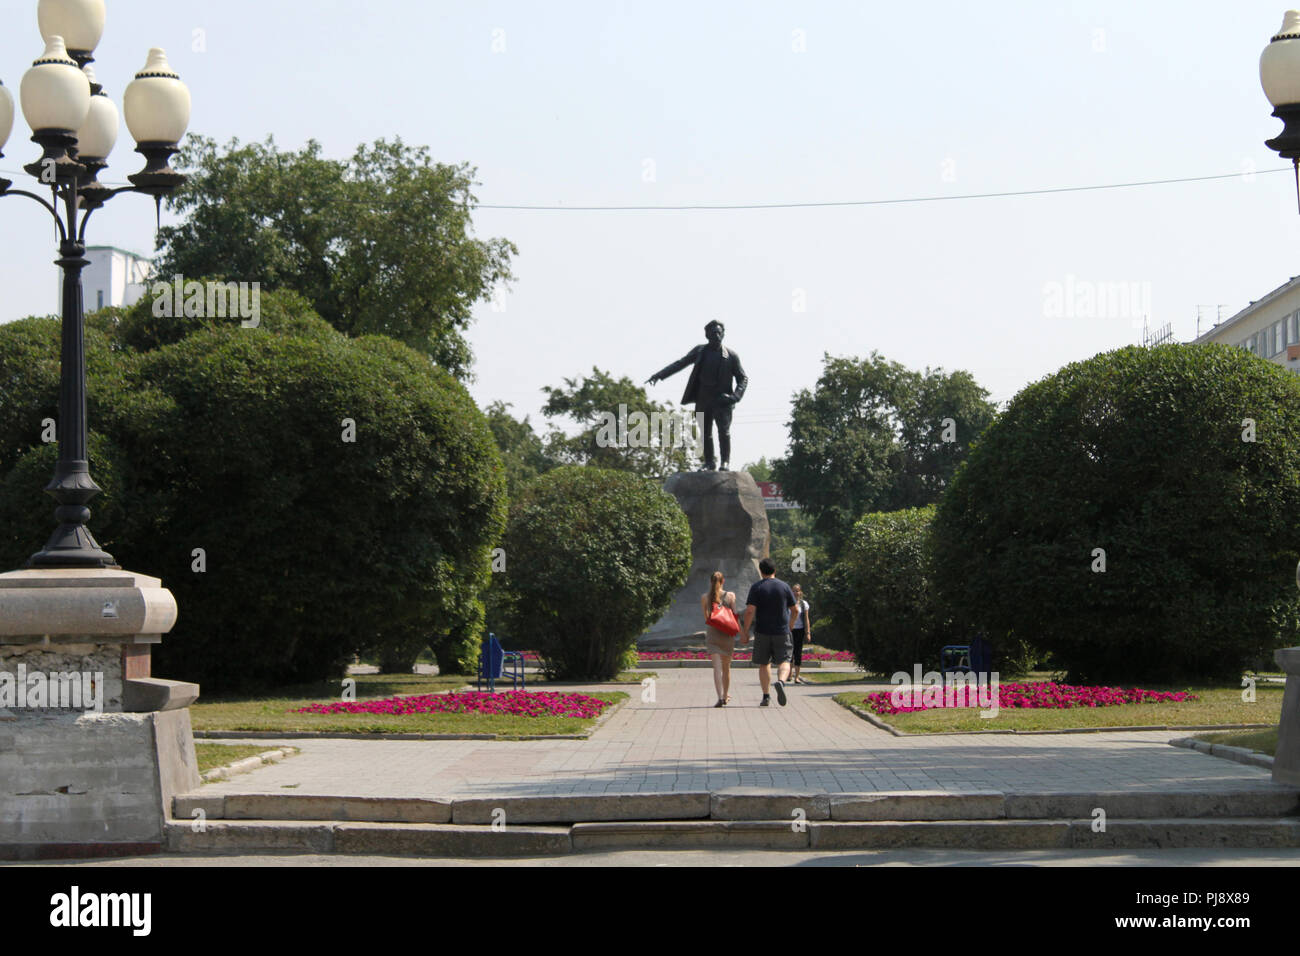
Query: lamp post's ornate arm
[95,200]
[63,230]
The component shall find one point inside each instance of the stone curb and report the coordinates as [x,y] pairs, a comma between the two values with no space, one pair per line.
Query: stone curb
[875,720]
[1251,758]
[382,839]
[341,735]
[751,834]
[422,839]
[671,805]
[746,805]
[248,764]
[872,719]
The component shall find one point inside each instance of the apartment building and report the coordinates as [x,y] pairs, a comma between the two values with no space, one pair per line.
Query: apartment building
[1270,327]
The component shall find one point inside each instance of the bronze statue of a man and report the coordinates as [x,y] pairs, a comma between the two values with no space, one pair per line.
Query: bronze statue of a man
[710,388]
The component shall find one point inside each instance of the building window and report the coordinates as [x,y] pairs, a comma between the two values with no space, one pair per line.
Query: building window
[101,298]
[1277,338]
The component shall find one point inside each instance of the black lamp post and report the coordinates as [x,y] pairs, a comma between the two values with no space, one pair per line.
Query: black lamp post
[1279,73]
[76,126]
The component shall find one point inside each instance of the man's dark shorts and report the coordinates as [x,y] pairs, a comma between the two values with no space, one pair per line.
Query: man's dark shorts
[772,648]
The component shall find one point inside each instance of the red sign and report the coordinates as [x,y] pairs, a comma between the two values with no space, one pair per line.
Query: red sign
[773,497]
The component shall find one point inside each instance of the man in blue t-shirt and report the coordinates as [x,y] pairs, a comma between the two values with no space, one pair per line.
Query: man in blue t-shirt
[772,611]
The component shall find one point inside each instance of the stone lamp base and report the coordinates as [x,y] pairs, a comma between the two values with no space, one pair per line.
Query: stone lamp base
[92,746]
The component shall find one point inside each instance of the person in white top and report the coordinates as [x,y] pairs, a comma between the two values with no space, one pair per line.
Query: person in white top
[800,633]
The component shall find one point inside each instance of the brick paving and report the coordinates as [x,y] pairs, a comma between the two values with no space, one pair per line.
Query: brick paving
[680,741]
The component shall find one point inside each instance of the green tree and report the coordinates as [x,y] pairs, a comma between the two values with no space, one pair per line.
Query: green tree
[381,243]
[522,449]
[1133,514]
[610,439]
[940,418]
[594,557]
[884,593]
[302,493]
[875,436]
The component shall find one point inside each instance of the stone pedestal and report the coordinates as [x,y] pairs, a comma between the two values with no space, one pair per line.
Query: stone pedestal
[729,533]
[92,746]
[1286,762]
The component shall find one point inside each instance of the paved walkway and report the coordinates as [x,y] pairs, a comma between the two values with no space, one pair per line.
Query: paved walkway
[681,742]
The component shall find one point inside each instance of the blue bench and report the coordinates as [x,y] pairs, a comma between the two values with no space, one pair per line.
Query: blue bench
[955,659]
[975,657]
[492,661]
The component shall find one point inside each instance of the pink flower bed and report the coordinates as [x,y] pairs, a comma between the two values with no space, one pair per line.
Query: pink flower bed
[1047,695]
[508,703]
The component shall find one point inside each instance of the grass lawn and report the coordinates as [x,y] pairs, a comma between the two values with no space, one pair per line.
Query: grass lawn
[212,756]
[1217,706]
[840,677]
[275,713]
[1264,741]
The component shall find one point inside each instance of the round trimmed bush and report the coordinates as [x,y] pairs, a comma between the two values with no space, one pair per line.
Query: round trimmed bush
[303,494]
[593,558]
[1134,514]
[884,593]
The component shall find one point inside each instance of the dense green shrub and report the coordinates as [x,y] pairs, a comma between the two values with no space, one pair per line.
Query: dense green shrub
[457,650]
[593,558]
[883,593]
[1143,454]
[236,441]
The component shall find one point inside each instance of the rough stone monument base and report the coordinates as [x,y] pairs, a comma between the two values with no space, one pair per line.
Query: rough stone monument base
[1286,762]
[75,785]
[729,533]
[92,747]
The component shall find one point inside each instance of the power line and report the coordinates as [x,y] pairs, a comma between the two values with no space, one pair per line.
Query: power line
[877,202]
[721,207]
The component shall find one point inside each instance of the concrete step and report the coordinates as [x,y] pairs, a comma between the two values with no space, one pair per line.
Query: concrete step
[379,839]
[739,804]
[1119,834]
[454,840]
[305,806]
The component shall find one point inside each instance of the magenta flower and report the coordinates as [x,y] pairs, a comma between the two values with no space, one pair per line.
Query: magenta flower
[507,703]
[1026,696]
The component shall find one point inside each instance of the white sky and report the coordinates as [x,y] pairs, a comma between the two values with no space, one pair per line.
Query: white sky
[887,101]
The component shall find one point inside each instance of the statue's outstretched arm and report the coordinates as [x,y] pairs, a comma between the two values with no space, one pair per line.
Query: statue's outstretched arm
[674,368]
